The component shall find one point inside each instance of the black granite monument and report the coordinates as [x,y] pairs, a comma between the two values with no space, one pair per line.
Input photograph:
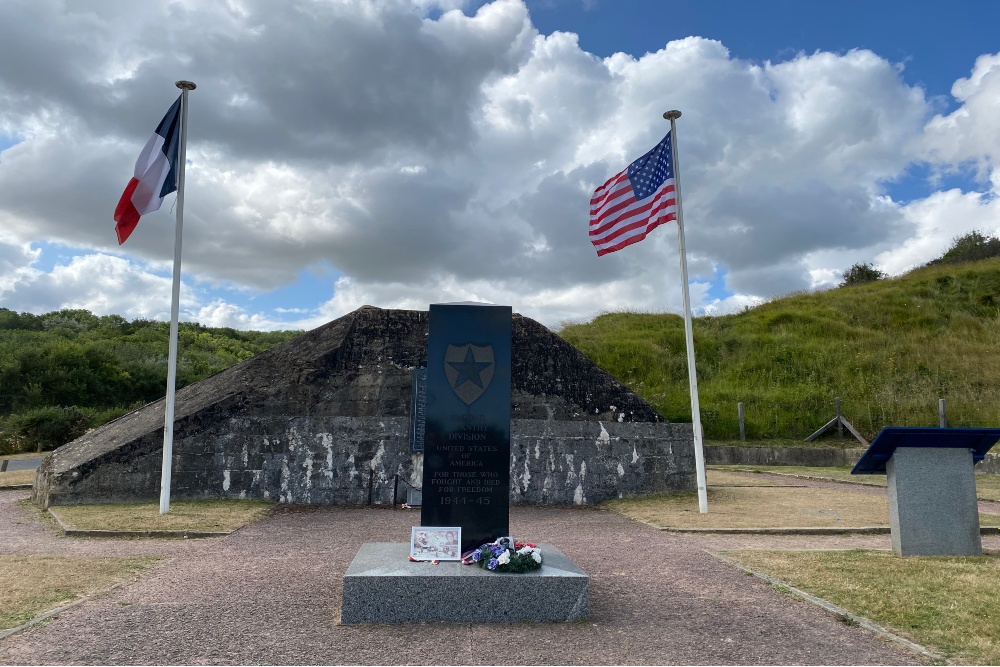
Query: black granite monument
[466,476]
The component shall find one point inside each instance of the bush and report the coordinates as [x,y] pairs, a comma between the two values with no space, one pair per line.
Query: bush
[45,428]
[862,273]
[968,248]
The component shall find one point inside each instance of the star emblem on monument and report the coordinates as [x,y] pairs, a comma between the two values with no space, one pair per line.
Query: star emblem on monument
[469,369]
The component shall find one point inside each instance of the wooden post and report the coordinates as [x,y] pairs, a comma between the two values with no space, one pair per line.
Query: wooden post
[743,434]
[840,420]
[3,465]
[942,417]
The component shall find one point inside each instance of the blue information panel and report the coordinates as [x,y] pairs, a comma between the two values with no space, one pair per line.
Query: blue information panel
[979,440]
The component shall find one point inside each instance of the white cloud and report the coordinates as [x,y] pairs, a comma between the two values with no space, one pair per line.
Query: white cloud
[937,221]
[971,133]
[100,283]
[427,156]
[16,261]
[222,314]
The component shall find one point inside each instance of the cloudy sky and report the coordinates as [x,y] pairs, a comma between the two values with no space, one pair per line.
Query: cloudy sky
[400,153]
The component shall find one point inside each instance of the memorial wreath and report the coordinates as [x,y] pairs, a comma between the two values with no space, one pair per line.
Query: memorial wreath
[498,557]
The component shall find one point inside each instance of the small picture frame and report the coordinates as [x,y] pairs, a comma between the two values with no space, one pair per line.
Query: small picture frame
[436,543]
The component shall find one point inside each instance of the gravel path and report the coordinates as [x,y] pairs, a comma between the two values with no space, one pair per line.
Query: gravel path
[270,594]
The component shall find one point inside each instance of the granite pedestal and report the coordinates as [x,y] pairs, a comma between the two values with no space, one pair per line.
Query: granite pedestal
[383,586]
[932,502]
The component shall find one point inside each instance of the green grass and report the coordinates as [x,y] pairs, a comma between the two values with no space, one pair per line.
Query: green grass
[34,584]
[17,477]
[987,486]
[890,349]
[194,515]
[738,501]
[945,603]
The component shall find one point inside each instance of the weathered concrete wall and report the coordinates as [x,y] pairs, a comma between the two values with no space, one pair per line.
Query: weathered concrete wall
[585,462]
[333,459]
[781,456]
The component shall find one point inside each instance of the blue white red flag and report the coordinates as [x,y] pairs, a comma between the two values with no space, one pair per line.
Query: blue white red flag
[155,175]
[634,201]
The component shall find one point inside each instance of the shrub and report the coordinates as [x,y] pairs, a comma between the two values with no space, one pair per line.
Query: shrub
[968,248]
[862,273]
[45,428]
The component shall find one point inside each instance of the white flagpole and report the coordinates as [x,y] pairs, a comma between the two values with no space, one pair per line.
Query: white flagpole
[699,454]
[175,293]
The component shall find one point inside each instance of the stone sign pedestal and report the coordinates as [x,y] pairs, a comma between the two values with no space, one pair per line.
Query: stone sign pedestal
[931,486]
[932,502]
[382,586]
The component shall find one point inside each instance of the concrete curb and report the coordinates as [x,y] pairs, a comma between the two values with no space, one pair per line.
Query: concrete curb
[816,478]
[839,612]
[14,487]
[804,530]
[176,534]
[817,530]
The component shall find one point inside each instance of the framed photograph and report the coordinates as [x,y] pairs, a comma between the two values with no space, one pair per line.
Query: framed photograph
[436,542]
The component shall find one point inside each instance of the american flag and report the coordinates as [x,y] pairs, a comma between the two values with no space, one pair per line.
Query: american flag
[634,201]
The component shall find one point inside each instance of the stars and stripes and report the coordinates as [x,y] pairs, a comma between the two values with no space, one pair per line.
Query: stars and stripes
[635,201]
[154,177]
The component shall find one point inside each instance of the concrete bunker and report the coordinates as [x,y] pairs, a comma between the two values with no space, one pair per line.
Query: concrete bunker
[325,418]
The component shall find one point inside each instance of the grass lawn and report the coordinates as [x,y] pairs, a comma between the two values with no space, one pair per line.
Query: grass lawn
[946,603]
[196,515]
[735,502]
[35,584]
[987,486]
[17,477]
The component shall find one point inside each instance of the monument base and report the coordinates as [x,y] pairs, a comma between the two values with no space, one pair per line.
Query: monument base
[932,502]
[383,586]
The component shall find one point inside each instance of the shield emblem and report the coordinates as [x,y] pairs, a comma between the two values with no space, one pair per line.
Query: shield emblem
[469,369]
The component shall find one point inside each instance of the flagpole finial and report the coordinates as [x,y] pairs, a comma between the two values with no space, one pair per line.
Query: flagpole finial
[189,85]
[673,114]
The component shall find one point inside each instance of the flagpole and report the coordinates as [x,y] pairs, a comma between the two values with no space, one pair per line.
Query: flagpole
[699,453]
[175,292]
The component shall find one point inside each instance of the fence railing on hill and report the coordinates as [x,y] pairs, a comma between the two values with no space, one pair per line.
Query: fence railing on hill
[839,421]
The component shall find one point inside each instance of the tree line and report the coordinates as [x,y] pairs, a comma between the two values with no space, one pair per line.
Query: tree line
[68,371]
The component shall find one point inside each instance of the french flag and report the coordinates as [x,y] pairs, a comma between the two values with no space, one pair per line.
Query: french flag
[155,174]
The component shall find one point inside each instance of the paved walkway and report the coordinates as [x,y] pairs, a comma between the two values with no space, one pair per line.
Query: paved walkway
[270,594]
[22,463]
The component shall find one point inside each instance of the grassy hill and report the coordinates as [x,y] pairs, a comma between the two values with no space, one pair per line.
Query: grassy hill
[890,349]
[64,372]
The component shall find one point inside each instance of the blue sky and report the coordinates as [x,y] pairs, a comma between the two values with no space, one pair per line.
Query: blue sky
[399,154]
